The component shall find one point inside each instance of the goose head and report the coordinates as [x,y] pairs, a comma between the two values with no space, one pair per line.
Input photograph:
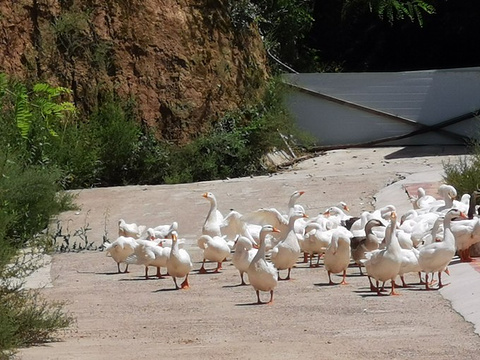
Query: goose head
[294,197]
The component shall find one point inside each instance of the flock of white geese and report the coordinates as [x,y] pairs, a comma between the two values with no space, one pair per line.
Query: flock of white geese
[265,242]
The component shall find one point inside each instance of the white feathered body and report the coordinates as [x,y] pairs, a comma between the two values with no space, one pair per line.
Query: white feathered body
[243,255]
[384,264]
[337,255]
[121,248]
[130,229]
[285,254]
[179,263]
[214,248]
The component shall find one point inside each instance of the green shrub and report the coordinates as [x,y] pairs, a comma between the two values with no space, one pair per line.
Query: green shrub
[464,174]
[29,197]
[27,319]
[238,142]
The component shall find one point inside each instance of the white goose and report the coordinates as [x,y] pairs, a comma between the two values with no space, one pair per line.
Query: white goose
[337,255]
[243,255]
[214,219]
[271,216]
[162,231]
[336,215]
[120,249]
[436,256]
[149,253]
[214,249]
[448,194]
[384,264]
[263,276]
[467,233]
[179,263]
[315,241]
[233,226]
[130,229]
[423,200]
[409,264]
[285,254]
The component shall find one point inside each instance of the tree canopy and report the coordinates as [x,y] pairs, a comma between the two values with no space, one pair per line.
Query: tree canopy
[370,35]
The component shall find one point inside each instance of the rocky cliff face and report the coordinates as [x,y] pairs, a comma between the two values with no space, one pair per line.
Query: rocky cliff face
[181,61]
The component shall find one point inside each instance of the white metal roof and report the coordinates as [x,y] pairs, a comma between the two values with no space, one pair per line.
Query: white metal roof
[349,108]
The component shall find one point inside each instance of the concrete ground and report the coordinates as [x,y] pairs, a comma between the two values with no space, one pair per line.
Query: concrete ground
[124,316]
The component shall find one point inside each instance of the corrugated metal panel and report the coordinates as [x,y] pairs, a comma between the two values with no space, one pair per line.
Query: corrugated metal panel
[348,108]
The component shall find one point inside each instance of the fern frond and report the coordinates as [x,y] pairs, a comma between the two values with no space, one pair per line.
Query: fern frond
[23,115]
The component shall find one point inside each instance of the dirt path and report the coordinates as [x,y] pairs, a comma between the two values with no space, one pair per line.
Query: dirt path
[123,316]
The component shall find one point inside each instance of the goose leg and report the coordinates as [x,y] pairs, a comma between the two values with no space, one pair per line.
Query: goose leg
[372,287]
[466,256]
[393,292]
[344,281]
[219,266]
[288,274]
[271,298]
[360,268]
[330,282]
[120,271]
[420,278]
[175,281]
[427,287]
[202,269]
[279,278]
[258,297]
[159,273]
[241,277]
[185,284]
[146,272]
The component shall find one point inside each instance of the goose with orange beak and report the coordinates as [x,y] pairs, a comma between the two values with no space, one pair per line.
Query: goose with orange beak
[179,263]
[263,276]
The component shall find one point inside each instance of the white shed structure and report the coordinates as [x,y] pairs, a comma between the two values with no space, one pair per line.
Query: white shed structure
[434,107]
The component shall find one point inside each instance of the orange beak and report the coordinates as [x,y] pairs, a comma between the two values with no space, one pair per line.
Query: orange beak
[205,195]
[276,230]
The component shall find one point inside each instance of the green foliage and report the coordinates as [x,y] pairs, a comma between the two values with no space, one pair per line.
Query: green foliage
[393,10]
[237,144]
[27,319]
[29,197]
[72,32]
[36,116]
[283,24]
[464,174]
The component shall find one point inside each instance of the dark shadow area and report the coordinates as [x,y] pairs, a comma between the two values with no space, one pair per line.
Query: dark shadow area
[428,150]
[141,279]
[326,284]
[234,286]
[252,304]
[109,273]
[165,290]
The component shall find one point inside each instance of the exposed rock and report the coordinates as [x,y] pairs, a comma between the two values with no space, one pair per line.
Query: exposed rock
[181,61]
